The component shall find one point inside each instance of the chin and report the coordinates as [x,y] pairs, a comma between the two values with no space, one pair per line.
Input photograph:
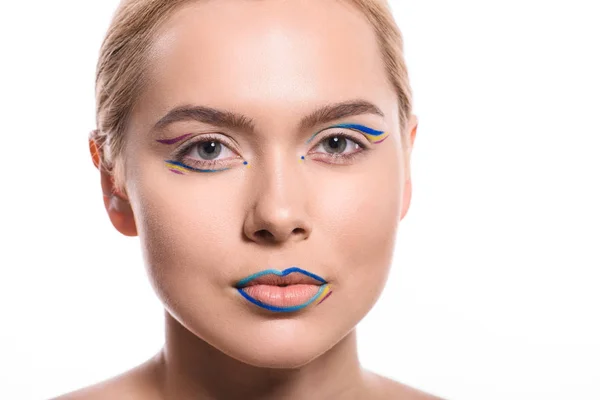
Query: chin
[283,343]
[282,354]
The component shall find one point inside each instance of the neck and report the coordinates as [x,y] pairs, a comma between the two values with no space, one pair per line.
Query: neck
[191,368]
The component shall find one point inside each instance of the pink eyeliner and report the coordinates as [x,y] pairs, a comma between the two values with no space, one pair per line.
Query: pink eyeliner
[379,141]
[174,140]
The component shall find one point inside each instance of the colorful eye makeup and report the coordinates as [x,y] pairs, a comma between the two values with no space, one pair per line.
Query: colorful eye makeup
[177,165]
[373,135]
[174,140]
[180,168]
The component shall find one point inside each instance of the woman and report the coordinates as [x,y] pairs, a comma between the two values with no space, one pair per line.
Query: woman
[260,150]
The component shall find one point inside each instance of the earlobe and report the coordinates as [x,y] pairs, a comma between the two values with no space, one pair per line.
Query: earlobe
[117,204]
[94,151]
[118,208]
[407,195]
[414,123]
[120,214]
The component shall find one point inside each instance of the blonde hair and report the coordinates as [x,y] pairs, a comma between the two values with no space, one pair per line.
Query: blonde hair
[121,70]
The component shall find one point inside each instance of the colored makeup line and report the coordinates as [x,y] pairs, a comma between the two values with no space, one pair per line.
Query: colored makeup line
[174,140]
[373,135]
[326,295]
[177,167]
[323,292]
[180,168]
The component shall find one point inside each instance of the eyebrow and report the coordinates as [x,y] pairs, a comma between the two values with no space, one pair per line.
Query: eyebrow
[232,120]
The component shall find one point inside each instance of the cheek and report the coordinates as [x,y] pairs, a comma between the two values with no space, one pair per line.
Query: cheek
[186,226]
[362,217]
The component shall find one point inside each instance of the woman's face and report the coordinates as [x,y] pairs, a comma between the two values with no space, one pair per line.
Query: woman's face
[333,213]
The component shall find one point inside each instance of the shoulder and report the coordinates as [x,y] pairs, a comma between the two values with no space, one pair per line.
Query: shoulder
[132,385]
[383,388]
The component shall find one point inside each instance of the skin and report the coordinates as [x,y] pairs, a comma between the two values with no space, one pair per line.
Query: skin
[275,62]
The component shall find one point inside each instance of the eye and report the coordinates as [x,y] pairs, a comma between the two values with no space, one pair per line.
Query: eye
[336,144]
[209,151]
[339,147]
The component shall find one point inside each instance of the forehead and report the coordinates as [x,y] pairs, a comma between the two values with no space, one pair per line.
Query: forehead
[270,54]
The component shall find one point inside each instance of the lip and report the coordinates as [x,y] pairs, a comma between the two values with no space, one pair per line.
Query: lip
[284,291]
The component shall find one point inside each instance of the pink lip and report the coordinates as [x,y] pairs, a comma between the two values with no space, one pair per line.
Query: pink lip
[283,291]
[282,296]
[294,278]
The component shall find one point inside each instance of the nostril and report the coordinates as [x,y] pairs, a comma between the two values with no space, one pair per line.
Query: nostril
[267,235]
[264,234]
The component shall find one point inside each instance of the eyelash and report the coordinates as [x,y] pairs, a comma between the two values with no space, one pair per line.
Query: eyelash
[205,164]
[209,164]
[343,158]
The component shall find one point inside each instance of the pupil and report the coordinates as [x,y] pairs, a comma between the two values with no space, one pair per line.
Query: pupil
[337,144]
[209,150]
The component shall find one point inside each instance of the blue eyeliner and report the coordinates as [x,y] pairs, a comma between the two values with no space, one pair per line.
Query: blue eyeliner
[176,165]
[372,134]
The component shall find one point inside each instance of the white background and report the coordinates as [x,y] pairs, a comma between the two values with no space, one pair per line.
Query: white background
[494,292]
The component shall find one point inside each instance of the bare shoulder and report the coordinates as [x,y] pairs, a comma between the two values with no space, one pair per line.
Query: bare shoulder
[131,385]
[383,388]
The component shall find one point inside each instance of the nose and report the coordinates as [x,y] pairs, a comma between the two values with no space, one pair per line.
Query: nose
[278,211]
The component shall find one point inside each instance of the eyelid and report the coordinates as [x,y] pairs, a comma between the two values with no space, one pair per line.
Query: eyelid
[362,130]
[341,158]
[174,140]
[363,142]
[205,137]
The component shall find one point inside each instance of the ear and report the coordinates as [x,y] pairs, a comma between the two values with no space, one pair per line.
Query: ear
[116,203]
[412,127]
